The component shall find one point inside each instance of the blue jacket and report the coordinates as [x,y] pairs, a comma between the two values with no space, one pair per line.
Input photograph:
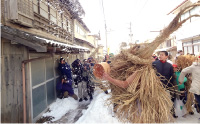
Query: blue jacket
[166,70]
[65,70]
[65,87]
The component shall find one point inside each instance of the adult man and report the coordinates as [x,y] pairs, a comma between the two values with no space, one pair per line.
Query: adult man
[86,78]
[82,85]
[65,69]
[64,88]
[165,71]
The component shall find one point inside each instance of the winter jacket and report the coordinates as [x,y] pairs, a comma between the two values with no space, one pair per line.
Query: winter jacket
[77,70]
[180,86]
[86,71]
[65,70]
[166,70]
[194,69]
[65,87]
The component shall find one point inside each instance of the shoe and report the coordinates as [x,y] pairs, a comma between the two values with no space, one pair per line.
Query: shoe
[91,97]
[80,100]
[191,113]
[106,92]
[175,116]
[85,99]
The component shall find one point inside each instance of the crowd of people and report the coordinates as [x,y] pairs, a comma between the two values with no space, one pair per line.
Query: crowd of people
[171,78]
[79,76]
[178,79]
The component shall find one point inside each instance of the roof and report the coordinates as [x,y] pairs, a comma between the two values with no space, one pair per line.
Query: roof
[83,41]
[95,35]
[178,6]
[83,24]
[38,43]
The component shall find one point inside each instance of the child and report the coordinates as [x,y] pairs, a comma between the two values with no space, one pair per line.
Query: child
[181,87]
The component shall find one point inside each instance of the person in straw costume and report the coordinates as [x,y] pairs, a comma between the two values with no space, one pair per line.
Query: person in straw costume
[137,91]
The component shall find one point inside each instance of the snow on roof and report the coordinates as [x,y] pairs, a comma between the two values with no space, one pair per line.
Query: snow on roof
[63,44]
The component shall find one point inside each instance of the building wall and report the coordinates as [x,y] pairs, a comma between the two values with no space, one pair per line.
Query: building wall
[11,81]
[46,21]
[41,78]
[79,31]
[41,75]
[93,40]
[189,33]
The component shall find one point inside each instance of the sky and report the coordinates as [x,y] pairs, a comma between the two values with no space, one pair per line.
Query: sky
[144,16]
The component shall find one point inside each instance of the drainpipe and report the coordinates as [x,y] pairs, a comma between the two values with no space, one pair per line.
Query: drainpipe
[24,82]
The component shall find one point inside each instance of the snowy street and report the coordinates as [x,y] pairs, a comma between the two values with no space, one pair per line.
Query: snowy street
[70,111]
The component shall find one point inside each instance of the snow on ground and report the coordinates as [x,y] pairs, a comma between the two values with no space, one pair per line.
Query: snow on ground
[61,107]
[98,111]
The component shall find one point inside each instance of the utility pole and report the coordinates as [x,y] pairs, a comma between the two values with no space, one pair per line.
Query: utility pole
[131,34]
[105,28]
[106,37]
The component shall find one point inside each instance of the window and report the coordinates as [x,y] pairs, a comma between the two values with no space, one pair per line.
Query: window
[196,49]
[194,11]
[53,14]
[69,26]
[187,43]
[190,49]
[65,22]
[196,41]
[168,43]
[184,16]
[60,19]
[35,6]
[44,9]
[185,50]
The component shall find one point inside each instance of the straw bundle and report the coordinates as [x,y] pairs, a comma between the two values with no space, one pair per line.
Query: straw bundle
[145,100]
[184,61]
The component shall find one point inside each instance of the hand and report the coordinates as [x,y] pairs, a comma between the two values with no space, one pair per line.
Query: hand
[105,76]
[180,83]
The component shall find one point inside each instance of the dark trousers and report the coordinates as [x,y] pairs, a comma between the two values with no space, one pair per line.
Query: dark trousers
[197,97]
[183,96]
[59,94]
[197,106]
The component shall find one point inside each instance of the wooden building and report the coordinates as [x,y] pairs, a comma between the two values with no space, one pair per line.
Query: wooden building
[34,35]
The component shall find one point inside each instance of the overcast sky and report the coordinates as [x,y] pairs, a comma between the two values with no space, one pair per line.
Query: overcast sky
[144,15]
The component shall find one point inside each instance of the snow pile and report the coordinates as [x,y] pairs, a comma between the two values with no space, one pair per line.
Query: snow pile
[61,107]
[98,111]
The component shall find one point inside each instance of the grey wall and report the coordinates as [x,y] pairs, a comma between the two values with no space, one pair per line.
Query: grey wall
[11,81]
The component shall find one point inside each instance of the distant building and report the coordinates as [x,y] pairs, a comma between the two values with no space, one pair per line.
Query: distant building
[188,36]
[170,46]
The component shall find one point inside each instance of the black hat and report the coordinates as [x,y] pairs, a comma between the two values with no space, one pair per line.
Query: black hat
[61,58]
